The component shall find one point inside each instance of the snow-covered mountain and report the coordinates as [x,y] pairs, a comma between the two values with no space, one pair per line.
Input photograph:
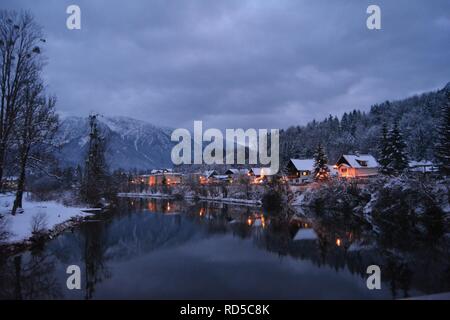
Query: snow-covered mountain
[131,143]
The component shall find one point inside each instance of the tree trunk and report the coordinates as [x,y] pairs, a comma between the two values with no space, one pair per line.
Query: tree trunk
[20,187]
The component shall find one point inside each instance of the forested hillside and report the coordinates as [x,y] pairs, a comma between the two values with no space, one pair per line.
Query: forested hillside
[418,118]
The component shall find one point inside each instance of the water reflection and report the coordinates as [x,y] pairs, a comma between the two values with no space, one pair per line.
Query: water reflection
[163,248]
[29,276]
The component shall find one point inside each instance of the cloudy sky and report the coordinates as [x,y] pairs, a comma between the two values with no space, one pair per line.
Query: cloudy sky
[239,63]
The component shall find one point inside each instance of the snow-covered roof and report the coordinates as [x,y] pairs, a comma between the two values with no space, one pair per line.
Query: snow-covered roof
[357,161]
[221,177]
[161,171]
[11,178]
[422,166]
[303,164]
[421,163]
[236,171]
[261,171]
[210,173]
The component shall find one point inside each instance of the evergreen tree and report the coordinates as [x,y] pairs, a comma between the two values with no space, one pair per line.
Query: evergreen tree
[443,146]
[95,172]
[321,171]
[397,154]
[384,150]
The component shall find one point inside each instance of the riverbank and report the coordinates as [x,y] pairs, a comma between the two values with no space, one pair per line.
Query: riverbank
[190,197]
[48,218]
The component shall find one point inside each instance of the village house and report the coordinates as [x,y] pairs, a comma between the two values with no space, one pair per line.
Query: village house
[192,177]
[357,166]
[259,172]
[168,178]
[159,177]
[259,175]
[220,178]
[236,172]
[208,176]
[422,166]
[300,171]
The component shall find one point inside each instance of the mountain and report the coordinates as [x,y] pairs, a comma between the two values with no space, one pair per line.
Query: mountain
[131,143]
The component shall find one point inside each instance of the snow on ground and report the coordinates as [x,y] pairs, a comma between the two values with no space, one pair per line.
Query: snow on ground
[305,234]
[20,225]
[145,194]
[190,197]
[298,200]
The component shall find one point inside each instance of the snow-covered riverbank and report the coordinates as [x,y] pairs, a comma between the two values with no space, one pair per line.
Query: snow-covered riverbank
[145,195]
[190,197]
[51,213]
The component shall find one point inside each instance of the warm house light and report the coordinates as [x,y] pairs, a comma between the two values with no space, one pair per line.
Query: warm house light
[321,175]
[338,242]
[249,221]
[151,206]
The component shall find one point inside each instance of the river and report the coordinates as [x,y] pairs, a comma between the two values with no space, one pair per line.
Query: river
[164,249]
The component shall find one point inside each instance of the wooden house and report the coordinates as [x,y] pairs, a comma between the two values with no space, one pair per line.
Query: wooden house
[357,166]
[300,170]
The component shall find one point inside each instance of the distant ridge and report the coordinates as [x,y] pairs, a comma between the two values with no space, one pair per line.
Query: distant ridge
[131,143]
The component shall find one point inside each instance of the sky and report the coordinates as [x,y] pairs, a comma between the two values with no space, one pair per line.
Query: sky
[239,63]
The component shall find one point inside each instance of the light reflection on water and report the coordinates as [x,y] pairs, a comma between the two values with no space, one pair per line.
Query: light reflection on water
[173,249]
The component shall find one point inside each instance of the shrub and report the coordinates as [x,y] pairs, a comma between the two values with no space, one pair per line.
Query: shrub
[272,200]
[4,228]
[39,224]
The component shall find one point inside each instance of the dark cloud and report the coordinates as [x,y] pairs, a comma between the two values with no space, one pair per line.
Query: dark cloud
[240,63]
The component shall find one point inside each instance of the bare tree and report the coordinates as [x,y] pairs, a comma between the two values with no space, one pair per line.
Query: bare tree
[36,125]
[39,223]
[20,59]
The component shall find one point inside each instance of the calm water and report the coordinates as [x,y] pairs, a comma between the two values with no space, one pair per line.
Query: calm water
[162,249]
